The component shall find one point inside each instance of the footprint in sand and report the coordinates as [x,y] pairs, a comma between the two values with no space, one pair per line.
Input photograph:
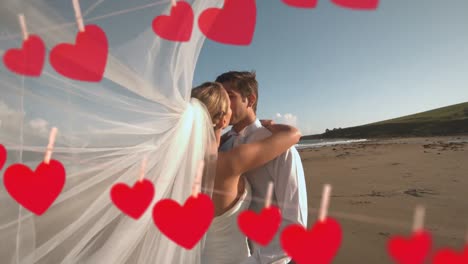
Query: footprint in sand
[408,175]
[385,234]
[359,202]
[415,192]
[343,154]
[420,192]
[379,194]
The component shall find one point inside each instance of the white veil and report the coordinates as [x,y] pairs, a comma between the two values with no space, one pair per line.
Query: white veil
[142,107]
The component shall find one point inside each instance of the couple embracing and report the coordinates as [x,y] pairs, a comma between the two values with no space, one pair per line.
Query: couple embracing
[251,154]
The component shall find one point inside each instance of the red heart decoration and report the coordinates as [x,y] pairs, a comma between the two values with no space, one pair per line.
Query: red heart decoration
[448,256]
[318,245]
[177,26]
[301,3]
[233,24]
[133,201]
[262,227]
[29,60]
[410,251]
[85,61]
[3,156]
[358,4]
[35,191]
[184,225]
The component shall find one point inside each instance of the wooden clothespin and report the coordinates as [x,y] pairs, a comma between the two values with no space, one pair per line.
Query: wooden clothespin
[50,147]
[143,168]
[418,222]
[24,29]
[198,179]
[268,195]
[79,17]
[325,202]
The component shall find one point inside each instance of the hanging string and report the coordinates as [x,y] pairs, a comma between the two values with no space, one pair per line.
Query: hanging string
[72,24]
[338,214]
[20,211]
[312,211]
[92,7]
[125,11]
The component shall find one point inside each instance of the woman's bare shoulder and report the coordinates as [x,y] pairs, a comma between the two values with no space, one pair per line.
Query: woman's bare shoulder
[223,159]
[224,165]
[221,156]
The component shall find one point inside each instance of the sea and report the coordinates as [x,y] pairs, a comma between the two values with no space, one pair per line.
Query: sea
[317,143]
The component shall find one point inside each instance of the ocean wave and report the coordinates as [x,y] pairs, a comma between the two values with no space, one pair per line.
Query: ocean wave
[323,143]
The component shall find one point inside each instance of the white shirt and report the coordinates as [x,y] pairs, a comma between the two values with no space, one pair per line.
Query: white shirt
[289,192]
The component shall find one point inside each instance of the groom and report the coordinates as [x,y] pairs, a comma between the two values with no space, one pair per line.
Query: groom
[285,171]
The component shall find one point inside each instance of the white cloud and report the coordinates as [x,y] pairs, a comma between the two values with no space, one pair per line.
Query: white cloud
[35,130]
[291,119]
[39,125]
[9,118]
[288,119]
[5,109]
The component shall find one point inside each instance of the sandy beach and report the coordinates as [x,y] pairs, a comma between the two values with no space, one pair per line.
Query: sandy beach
[377,185]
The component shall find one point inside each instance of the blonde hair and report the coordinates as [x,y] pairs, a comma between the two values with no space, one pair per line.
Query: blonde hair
[213,95]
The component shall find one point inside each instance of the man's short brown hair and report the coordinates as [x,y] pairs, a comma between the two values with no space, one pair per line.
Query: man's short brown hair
[244,82]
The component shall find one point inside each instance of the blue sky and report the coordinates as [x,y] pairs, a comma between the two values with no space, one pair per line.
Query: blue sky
[333,67]
[330,67]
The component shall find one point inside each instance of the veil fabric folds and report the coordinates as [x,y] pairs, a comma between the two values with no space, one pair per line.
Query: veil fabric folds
[141,108]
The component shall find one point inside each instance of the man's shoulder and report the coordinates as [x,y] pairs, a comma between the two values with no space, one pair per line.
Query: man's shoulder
[224,137]
[259,133]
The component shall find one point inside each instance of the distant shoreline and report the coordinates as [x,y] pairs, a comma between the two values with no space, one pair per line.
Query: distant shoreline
[327,142]
[446,121]
[317,137]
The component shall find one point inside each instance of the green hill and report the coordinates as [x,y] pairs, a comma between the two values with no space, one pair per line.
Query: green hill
[444,121]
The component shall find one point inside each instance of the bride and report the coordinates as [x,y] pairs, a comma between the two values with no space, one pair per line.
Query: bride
[225,244]
[141,108]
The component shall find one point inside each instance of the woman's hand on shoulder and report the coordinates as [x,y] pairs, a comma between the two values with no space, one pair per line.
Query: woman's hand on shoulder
[277,128]
[266,122]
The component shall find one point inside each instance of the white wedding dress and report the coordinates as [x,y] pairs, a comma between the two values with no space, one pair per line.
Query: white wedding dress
[225,243]
[141,108]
